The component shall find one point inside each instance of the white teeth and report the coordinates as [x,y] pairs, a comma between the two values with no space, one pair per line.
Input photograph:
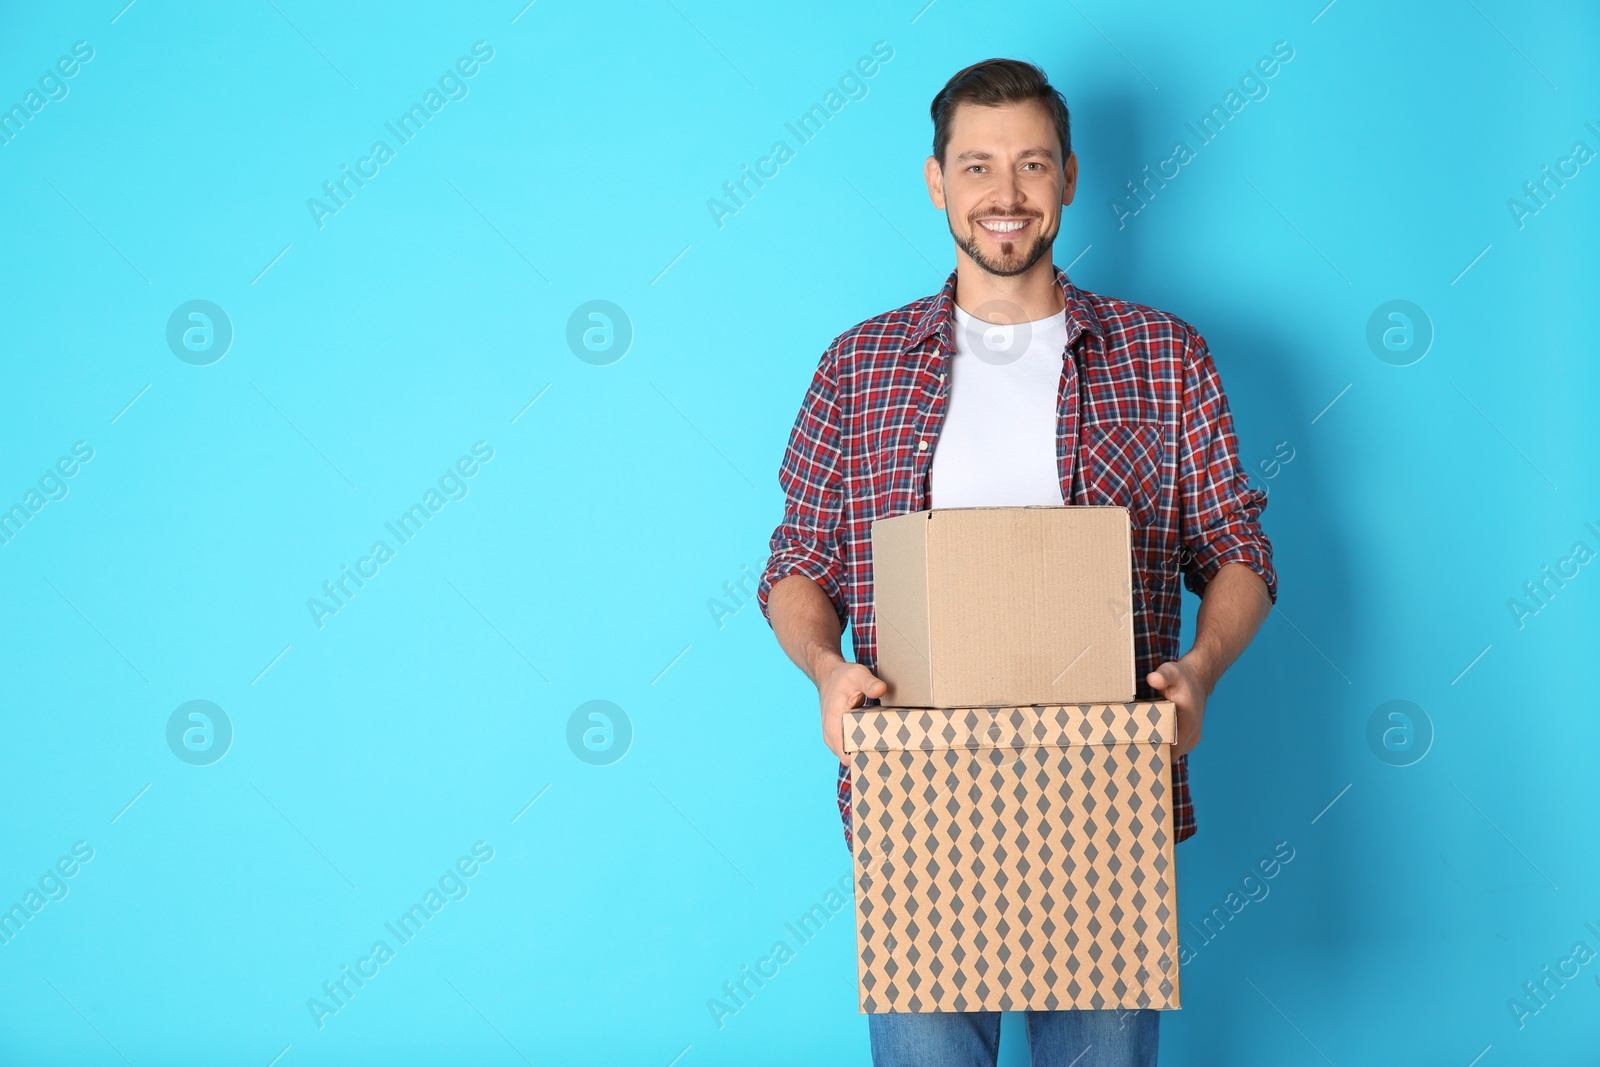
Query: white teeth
[1003,227]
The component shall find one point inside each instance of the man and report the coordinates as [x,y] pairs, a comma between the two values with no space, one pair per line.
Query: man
[1010,387]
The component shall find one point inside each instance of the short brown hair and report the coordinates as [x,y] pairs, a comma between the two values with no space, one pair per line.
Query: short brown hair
[993,83]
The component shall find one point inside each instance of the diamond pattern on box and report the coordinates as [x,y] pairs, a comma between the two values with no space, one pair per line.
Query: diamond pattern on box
[1014,858]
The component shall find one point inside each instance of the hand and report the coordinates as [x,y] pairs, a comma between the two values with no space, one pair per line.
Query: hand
[846,685]
[1187,684]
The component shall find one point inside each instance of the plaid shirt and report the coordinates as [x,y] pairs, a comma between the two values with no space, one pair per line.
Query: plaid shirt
[1141,422]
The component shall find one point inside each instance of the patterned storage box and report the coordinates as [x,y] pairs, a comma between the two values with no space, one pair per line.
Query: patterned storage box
[1014,858]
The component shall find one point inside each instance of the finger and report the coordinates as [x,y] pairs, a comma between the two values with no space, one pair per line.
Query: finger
[1171,677]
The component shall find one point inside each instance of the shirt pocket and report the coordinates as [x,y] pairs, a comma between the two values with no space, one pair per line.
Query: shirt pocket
[1122,466]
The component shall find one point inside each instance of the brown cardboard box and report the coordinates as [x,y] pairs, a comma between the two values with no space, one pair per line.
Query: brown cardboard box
[1004,606]
[1014,858]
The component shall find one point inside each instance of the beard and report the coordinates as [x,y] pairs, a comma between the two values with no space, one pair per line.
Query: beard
[1011,261]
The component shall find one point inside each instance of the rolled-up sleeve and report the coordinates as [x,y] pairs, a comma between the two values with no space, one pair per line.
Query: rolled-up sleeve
[807,541]
[1220,511]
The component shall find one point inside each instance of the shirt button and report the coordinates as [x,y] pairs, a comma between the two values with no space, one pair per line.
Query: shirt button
[922,446]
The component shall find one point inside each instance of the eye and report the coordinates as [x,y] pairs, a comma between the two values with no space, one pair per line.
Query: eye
[975,166]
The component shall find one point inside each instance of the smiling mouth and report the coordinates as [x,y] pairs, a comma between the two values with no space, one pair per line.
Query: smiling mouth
[1004,229]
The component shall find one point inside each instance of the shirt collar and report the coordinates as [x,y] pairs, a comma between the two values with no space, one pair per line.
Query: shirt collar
[936,318]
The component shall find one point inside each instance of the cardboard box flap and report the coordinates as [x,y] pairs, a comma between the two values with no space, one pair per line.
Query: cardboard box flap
[888,729]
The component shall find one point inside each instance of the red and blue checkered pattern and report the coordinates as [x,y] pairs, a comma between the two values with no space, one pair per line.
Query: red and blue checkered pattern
[1141,422]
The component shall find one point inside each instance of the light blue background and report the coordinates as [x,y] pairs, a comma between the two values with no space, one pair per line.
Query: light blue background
[425,316]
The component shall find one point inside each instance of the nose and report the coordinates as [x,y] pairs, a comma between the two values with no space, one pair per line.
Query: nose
[1008,192]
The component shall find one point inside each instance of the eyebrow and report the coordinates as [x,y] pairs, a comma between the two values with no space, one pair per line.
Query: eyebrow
[975,154]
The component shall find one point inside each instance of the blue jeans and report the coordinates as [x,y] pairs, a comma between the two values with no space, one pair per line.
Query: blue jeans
[1114,1037]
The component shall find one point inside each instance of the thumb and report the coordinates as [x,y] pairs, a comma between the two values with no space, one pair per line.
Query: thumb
[1158,678]
[877,688]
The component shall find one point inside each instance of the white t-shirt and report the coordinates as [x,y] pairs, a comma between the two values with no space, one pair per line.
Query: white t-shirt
[997,447]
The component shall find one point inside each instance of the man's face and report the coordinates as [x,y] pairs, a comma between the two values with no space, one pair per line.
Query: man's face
[1003,185]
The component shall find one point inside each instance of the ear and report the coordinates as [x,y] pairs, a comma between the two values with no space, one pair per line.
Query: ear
[1069,172]
[933,174]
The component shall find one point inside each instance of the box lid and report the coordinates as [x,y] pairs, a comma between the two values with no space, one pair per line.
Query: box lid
[886,729]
